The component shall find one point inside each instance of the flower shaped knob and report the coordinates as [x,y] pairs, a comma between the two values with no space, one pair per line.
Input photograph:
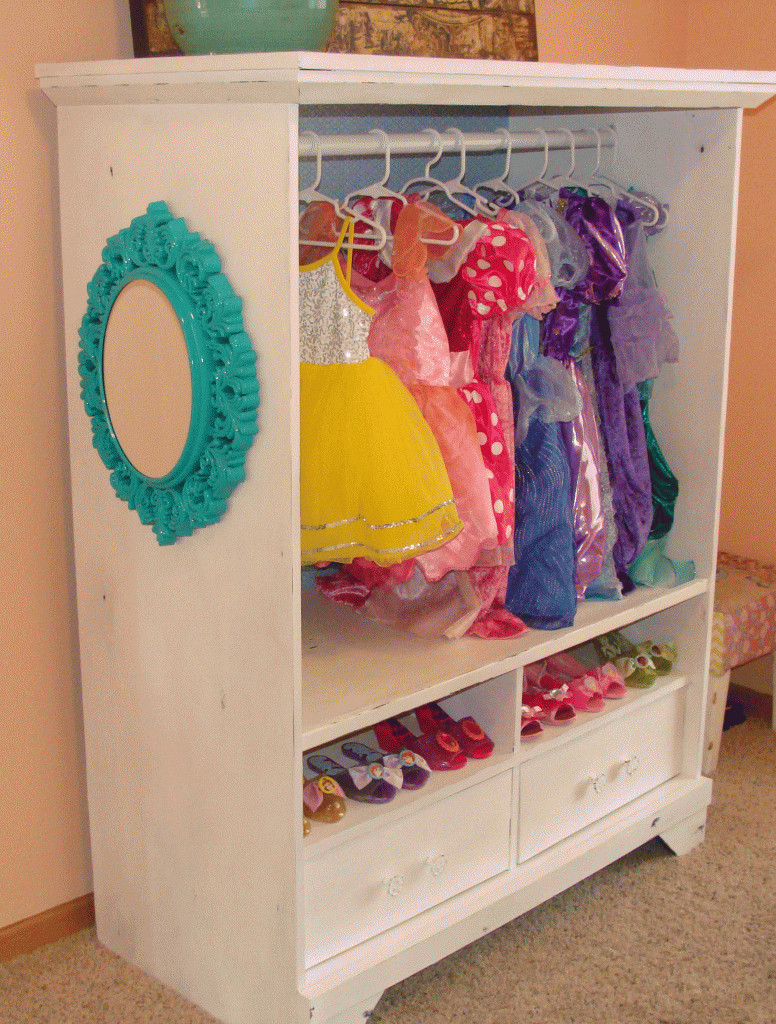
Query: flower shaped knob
[437,864]
[395,884]
[631,764]
[598,782]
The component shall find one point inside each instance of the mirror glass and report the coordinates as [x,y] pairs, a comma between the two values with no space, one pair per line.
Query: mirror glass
[147,378]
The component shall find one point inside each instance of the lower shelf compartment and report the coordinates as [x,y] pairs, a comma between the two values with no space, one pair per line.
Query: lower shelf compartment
[363,887]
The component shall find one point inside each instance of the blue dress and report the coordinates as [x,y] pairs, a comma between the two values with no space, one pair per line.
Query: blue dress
[541,587]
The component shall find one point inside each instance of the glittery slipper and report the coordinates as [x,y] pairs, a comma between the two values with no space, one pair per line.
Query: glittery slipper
[414,773]
[580,694]
[323,800]
[473,741]
[530,721]
[440,750]
[604,679]
[368,787]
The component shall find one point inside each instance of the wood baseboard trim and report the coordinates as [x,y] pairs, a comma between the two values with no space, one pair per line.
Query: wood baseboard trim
[41,929]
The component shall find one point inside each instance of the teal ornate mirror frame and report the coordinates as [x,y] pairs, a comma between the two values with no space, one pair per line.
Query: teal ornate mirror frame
[181,273]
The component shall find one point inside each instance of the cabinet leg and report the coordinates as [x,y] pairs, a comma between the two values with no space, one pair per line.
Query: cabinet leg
[686,835]
[358,1014]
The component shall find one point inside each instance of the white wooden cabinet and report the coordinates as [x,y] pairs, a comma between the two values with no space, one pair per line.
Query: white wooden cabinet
[208,670]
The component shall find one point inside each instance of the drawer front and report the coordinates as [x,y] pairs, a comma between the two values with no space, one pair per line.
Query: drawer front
[366,886]
[577,784]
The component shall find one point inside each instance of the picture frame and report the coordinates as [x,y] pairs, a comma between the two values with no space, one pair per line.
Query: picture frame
[484,29]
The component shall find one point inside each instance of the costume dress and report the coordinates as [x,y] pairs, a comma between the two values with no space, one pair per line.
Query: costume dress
[541,585]
[480,288]
[408,334]
[643,339]
[622,426]
[431,593]
[642,335]
[491,278]
[373,481]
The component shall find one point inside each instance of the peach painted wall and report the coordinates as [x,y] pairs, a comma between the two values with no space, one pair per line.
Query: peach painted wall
[44,854]
[742,35]
[44,858]
[646,33]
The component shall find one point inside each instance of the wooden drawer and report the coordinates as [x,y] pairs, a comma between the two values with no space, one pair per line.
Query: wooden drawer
[379,880]
[576,784]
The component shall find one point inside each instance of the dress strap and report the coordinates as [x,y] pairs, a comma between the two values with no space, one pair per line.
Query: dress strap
[348,226]
[345,277]
[351,226]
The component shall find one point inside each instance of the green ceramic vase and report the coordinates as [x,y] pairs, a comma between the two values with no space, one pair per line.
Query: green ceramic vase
[250,26]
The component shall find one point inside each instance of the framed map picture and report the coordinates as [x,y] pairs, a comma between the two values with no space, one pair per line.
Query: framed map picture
[500,29]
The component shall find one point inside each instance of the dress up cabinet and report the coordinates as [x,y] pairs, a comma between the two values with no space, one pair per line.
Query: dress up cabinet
[209,670]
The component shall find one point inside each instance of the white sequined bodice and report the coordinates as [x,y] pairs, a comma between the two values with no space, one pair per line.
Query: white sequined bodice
[333,327]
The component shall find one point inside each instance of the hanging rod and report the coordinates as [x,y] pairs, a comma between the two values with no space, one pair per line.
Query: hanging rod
[372,143]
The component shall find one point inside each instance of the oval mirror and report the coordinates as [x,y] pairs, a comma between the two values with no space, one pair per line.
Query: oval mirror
[168,375]
[147,378]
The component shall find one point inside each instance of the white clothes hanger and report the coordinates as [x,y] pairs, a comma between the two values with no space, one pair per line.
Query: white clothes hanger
[595,183]
[366,241]
[540,184]
[430,184]
[499,186]
[458,186]
[379,189]
[311,194]
[567,180]
[652,211]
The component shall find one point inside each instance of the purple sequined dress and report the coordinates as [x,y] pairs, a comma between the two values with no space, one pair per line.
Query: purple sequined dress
[622,426]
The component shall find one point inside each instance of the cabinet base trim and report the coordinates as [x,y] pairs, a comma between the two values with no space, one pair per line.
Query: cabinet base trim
[28,935]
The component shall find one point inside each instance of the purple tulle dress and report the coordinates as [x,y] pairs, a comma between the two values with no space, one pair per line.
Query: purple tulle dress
[622,426]
[642,335]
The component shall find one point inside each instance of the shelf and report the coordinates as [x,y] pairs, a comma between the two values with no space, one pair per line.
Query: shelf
[361,818]
[355,673]
[557,735]
[346,78]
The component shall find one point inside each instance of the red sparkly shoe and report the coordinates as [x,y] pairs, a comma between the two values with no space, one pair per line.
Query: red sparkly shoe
[441,751]
[580,693]
[530,724]
[473,741]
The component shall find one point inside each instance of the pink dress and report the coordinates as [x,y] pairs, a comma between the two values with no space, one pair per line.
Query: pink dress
[493,282]
[407,333]
[478,303]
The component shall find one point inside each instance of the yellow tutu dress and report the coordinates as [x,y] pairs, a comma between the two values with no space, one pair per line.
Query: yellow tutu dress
[373,482]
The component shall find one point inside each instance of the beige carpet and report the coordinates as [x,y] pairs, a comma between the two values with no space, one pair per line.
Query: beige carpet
[653,939]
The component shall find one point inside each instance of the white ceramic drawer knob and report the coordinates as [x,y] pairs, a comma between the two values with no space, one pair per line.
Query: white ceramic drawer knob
[437,864]
[631,764]
[598,782]
[395,885]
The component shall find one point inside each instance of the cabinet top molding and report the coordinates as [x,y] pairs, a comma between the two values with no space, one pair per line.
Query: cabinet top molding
[349,78]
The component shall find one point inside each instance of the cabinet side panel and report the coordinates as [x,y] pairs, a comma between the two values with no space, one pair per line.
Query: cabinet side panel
[691,159]
[189,653]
